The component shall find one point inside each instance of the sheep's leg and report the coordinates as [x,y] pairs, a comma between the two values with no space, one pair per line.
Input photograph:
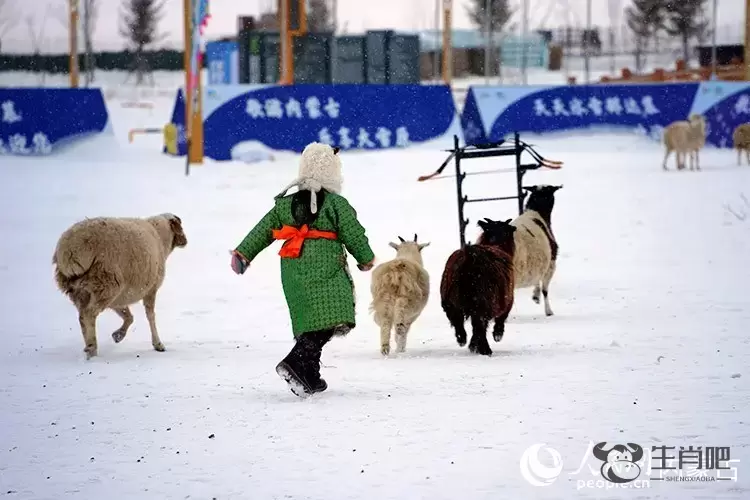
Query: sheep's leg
[739,156]
[87,320]
[536,294]
[479,344]
[385,338]
[545,286]
[698,160]
[127,320]
[149,301]
[456,319]
[747,155]
[402,330]
[666,157]
[498,330]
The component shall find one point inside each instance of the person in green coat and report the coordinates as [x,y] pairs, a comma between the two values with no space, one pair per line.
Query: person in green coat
[318,226]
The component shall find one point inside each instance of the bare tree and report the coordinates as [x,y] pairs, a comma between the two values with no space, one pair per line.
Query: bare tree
[37,38]
[139,25]
[89,17]
[8,19]
[88,14]
[685,21]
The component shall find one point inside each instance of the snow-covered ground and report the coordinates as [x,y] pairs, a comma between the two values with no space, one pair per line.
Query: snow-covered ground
[648,345]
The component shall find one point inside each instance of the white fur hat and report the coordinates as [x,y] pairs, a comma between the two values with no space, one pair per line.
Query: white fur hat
[319,168]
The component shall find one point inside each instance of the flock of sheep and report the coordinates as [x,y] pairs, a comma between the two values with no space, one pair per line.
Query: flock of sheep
[478,281]
[687,137]
[114,262]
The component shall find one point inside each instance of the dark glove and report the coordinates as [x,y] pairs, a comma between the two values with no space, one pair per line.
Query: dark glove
[366,267]
[239,263]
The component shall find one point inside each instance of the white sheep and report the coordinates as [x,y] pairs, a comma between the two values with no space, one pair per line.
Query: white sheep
[400,289]
[535,257]
[685,137]
[111,263]
[741,140]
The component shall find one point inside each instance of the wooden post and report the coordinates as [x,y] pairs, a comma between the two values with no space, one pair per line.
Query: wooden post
[73,63]
[286,54]
[747,40]
[448,41]
[192,116]
[287,35]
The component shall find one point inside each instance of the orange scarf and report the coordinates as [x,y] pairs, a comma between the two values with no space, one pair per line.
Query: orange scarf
[296,237]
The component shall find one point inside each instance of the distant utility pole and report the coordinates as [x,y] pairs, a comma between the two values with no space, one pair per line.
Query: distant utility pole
[524,35]
[713,40]
[587,49]
[487,41]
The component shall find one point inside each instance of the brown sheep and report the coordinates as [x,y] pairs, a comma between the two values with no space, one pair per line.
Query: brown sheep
[113,262]
[685,137]
[478,283]
[741,140]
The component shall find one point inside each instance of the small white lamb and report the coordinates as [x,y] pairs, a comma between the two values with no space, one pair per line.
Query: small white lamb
[111,263]
[685,137]
[400,289]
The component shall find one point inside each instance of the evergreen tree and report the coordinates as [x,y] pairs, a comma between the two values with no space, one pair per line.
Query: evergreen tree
[139,25]
[500,14]
[645,18]
[319,16]
[686,20]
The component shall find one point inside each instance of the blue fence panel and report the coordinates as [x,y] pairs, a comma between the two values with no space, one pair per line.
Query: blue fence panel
[349,116]
[35,121]
[490,113]
[494,112]
[222,61]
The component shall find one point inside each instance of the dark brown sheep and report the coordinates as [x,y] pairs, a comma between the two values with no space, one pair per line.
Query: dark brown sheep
[478,283]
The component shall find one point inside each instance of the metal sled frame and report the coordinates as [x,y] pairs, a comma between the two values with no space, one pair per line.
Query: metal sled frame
[491,150]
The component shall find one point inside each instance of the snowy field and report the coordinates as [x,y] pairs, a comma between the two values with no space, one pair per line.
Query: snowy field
[648,345]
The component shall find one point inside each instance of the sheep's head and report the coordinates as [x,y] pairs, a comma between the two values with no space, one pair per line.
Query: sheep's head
[698,121]
[179,239]
[496,232]
[541,198]
[411,250]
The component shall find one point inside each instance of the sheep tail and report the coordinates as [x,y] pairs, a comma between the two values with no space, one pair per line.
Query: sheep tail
[69,270]
[399,308]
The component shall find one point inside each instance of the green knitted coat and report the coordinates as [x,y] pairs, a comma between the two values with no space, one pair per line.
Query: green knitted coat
[317,285]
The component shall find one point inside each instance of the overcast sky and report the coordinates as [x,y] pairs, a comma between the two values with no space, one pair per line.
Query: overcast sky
[355,16]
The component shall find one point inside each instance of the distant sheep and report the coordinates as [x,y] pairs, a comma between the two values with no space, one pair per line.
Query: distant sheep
[400,289]
[685,137]
[535,257]
[111,263]
[477,283]
[741,140]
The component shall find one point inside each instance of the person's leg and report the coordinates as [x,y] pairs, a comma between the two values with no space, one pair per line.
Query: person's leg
[301,367]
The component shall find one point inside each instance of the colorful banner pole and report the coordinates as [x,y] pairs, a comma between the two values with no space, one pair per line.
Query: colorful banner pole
[199,20]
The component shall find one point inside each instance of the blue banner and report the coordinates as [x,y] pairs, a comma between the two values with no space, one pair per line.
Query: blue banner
[348,116]
[34,121]
[490,113]
[222,61]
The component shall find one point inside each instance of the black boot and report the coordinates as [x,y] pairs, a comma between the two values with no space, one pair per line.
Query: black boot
[300,369]
[318,341]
